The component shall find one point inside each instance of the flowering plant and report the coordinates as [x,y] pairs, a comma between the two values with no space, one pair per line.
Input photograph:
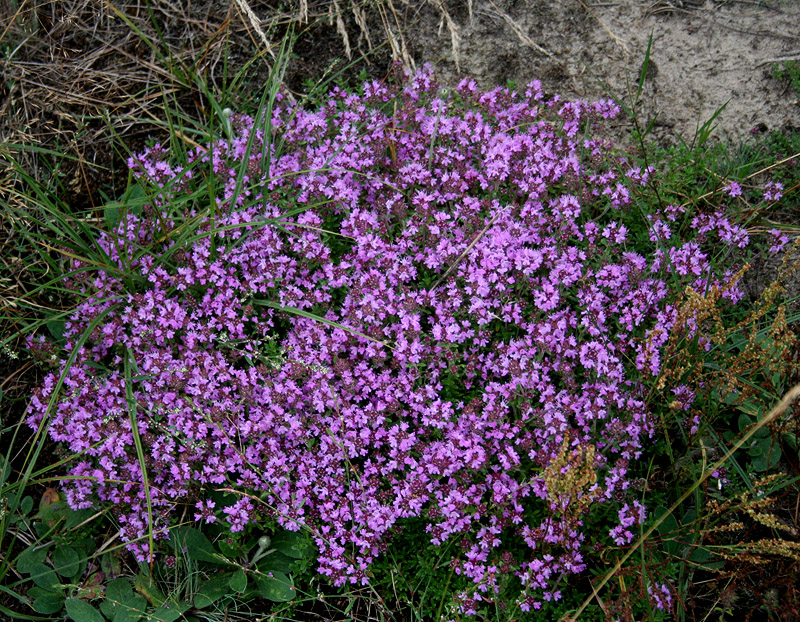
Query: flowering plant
[408,303]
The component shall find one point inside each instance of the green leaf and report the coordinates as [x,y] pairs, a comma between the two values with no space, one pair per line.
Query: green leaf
[212,590]
[121,604]
[700,555]
[147,588]
[76,517]
[238,581]
[31,557]
[669,524]
[48,603]
[113,211]
[763,433]
[5,469]
[26,505]
[730,398]
[44,577]
[169,612]
[196,545]
[755,450]
[744,422]
[56,328]
[119,590]
[81,611]
[230,550]
[52,513]
[275,586]
[66,561]
[292,544]
[667,528]
[110,563]
[276,561]
[132,610]
[760,463]
[35,592]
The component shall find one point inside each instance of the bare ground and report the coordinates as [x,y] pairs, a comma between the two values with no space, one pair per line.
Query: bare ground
[703,55]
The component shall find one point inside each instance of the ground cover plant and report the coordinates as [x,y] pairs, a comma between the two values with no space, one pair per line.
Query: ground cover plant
[406,306]
[406,352]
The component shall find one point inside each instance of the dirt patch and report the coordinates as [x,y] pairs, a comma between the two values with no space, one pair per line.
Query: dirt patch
[703,55]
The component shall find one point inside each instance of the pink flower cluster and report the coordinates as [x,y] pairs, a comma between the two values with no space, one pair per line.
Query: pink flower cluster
[471,245]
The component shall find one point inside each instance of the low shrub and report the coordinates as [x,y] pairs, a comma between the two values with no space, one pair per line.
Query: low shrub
[409,304]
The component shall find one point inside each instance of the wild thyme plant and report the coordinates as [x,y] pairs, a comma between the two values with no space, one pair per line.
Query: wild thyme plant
[424,304]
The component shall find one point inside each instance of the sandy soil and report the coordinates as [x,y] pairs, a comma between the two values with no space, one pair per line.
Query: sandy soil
[703,54]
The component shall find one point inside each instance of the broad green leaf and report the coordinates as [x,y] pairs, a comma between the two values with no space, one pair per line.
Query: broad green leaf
[212,590]
[756,449]
[145,586]
[196,545]
[121,604]
[48,603]
[275,586]
[238,581]
[230,550]
[56,328]
[169,612]
[669,524]
[26,505]
[44,577]
[763,433]
[81,611]
[132,610]
[667,529]
[66,561]
[35,592]
[276,561]
[291,543]
[76,517]
[31,557]
[744,421]
[119,590]
[110,563]
[700,555]
[760,463]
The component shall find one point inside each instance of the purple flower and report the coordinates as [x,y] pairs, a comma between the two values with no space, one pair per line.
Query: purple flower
[773,191]
[205,511]
[482,304]
[733,189]
[779,241]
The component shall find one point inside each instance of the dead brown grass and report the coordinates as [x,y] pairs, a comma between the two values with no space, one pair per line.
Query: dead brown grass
[79,76]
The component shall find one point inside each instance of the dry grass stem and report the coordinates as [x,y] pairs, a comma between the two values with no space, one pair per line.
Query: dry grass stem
[249,17]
